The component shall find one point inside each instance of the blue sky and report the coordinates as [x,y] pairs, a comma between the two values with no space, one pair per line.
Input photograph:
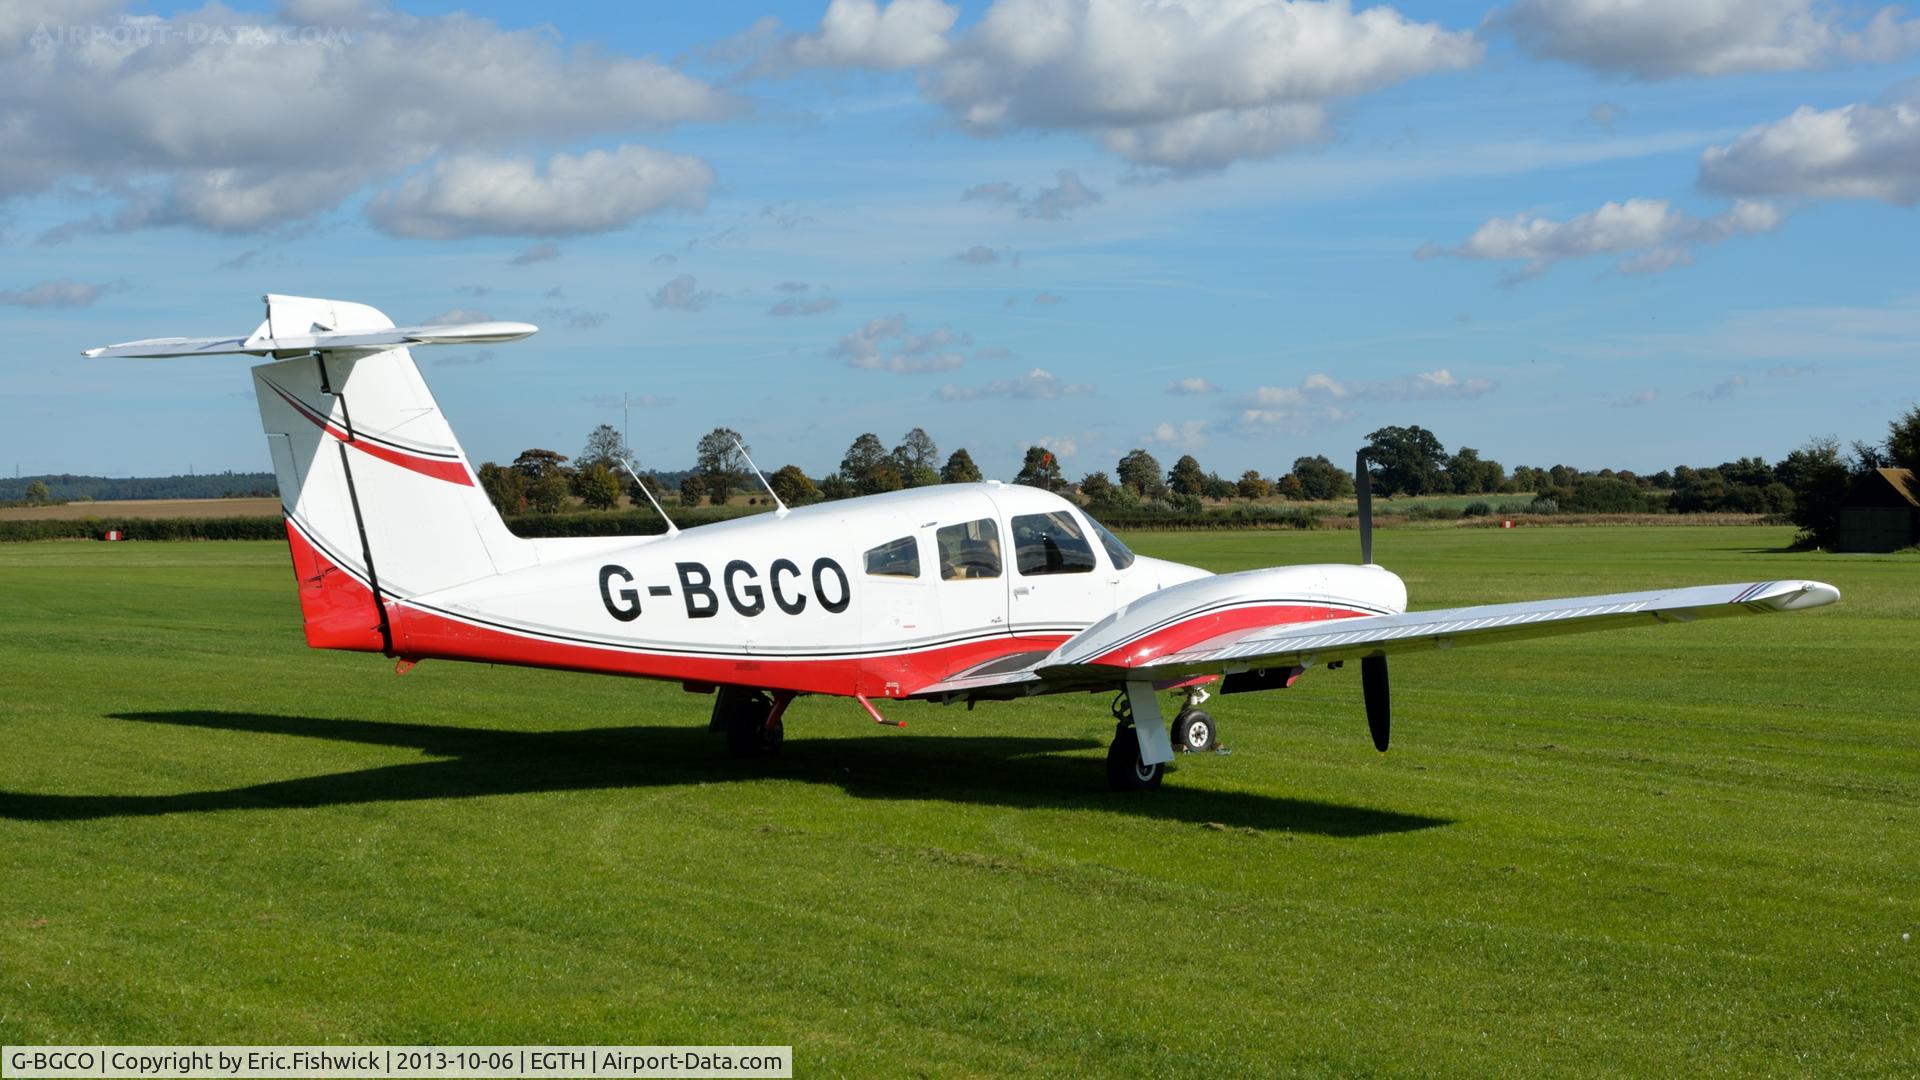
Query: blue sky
[1606,234]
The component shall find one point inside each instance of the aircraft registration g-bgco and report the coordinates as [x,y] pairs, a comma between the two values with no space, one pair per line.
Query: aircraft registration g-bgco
[955,593]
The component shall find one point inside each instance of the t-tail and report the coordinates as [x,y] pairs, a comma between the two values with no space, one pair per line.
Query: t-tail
[380,501]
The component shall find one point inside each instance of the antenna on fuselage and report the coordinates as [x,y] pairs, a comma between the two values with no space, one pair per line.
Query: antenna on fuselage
[672,529]
[782,512]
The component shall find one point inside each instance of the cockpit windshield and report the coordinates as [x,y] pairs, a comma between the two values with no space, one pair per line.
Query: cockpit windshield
[1122,557]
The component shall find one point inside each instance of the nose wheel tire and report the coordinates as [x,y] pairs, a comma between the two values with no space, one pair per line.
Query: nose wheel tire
[1193,732]
[1125,770]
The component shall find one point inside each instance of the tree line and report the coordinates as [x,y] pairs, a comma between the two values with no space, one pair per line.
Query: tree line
[54,488]
[1805,486]
[542,480]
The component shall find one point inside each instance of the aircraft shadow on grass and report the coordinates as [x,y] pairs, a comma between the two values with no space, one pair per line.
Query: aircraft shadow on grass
[467,762]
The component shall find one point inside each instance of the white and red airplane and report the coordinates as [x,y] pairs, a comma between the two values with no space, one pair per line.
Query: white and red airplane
[955,593]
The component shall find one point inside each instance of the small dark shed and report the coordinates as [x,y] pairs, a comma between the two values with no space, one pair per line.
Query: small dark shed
[1881,512]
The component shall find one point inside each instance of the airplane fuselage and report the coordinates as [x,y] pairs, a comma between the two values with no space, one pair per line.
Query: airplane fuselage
[878,596]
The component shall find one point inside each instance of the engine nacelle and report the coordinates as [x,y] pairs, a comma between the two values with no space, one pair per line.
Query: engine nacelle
[1185,615]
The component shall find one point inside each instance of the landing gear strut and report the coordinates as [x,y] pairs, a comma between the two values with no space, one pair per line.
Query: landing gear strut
[1125,770]
[1193,729]
[750,720]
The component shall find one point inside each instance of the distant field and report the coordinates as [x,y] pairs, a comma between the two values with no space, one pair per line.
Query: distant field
[1679,850]
[145,508]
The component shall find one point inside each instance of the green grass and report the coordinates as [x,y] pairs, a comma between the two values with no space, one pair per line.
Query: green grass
[1675,850]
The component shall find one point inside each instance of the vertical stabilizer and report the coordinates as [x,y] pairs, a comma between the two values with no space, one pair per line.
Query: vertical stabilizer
[381,502]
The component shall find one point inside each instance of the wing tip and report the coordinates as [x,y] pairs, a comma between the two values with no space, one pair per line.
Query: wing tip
[1814,594]
[1791,595]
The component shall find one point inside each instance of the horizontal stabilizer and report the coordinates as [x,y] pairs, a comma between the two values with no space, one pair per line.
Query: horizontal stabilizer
[258,344]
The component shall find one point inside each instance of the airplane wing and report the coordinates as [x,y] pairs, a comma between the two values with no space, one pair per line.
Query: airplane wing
[1305,644]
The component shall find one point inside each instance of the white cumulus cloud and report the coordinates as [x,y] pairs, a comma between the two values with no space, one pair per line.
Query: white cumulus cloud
[681,294]
[1182,84]
[1188,435]
[1320,397]
[1069,193]
[1658,39]
[204,120]
[865,34]
[803,305]
[885,344]
[1862,151]
[1649,235]
[1194,385]
[59,293]
[591,192]
[1724,389]
[1036,384]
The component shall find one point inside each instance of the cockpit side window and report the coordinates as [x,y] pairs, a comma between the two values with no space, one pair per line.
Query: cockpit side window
[1120,554]
[1050,544]
[895,558]
[970,551]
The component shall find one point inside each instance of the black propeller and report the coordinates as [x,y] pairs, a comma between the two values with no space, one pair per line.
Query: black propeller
[1373,687]
[1363,491]
[1373,669]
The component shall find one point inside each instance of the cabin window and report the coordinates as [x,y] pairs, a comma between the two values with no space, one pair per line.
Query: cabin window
[1050,544]
[895,558]
[1122,557]
[969,552]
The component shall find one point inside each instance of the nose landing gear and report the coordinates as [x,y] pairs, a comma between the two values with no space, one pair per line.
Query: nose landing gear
[1193,729]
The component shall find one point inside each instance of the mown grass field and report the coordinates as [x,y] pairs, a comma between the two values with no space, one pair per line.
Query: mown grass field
[1672,851]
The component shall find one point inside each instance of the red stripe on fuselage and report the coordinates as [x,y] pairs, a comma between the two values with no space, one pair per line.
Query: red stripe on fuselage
[1187,633]
[420,634]
[439,468]
[339,613]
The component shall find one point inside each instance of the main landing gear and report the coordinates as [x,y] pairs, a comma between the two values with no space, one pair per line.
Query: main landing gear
[750,719]
[1193,732]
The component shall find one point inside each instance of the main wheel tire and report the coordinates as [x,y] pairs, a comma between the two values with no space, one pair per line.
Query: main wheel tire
[1125,771]
[1193,732]
[747,733]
